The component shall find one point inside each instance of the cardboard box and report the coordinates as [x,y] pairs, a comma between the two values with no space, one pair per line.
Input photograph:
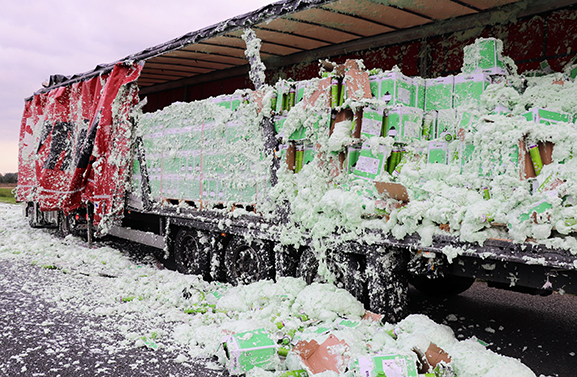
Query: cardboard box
[356,84]
[353,154]
[389,365]
[469,88]
[368,165]
[392,190]
[223,101]
[420,92]
[322,357]
[439,93]
[397,89]
[250,349]
[235,101]
[544,116]
[372,121]
[404,124]
[438,152]
[446,124]
[375,85]
[484,56]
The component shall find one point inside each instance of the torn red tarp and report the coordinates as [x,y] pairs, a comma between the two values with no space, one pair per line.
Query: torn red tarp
[75,144]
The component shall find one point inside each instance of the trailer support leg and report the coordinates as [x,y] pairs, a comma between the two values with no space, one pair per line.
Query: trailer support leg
[387,283]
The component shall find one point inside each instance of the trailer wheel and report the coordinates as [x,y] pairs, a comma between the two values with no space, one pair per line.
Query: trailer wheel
[442,286]
[308,267]
[345,267]
[190,255]
[248,261]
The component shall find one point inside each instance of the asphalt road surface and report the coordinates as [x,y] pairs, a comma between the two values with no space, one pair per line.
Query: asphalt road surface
[539,331]
[42,338]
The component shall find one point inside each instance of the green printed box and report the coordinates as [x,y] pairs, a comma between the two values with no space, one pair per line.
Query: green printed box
[397,89]
[469,88]
[372,122]
[279,122]
[446,124]
[353,154]
[438,152]
[375,85]
[467,121]
[223,101]
[300,89]
[439,93]
[544,116]
[369,165]
[250,349]
[484,56]
[404,124]
[235,101]
[386,365]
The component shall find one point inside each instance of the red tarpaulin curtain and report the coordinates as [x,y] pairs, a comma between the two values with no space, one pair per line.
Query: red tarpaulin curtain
[75,144]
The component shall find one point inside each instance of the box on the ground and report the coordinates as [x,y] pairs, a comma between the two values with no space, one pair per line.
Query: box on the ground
[387,365]
[323,357]
[250,349]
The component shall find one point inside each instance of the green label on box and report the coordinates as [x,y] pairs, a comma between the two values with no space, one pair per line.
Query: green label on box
[397,89]
[368,165]
[404,124]
[485,55]
[439,93]
[387,366]
[372,122]
[469,88]
[544,116]
[249,350]
[437,152]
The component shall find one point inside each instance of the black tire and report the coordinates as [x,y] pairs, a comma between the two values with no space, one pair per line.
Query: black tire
[346,269]
[190,255]
[248,261]
[286,260]
[308,267]
[387,284]
[442,286]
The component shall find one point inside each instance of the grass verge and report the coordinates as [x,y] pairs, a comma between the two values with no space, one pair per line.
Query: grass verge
[6,195]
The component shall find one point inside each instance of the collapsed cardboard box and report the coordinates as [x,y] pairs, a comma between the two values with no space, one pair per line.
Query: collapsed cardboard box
[330,355]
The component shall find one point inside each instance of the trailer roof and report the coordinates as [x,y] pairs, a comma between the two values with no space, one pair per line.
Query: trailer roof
[293,31]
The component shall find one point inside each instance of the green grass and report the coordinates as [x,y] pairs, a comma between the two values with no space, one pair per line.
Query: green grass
[6,196]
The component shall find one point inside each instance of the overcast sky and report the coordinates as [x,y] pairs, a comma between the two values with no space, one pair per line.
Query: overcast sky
[42,38]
